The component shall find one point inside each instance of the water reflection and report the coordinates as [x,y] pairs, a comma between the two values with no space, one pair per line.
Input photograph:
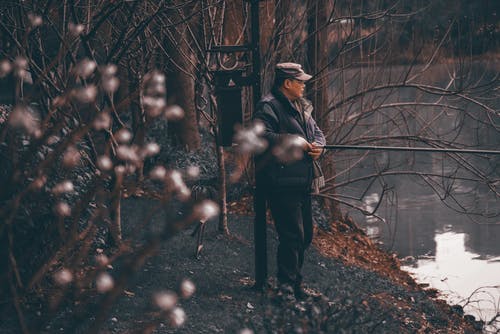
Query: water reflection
[461,275]
[421,198]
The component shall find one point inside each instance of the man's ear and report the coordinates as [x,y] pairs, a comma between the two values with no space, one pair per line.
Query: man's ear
[287,83]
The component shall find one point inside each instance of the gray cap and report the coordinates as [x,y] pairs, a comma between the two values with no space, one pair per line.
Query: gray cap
[291,71]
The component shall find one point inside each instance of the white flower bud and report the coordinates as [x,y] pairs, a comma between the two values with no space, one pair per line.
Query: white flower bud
[39,182]
[123,136]
[299,142]
[104,163]
[63,209]
[154,105]
[246,331]
[120,170]
[102,260]
[173,113]
[151,149]
[63,187]
[193,172]
[250,139]
[110,85]
[184,194]
[109,70]
[127,153]
[85,68]
[24,118]
[75,29]
[158,173]
[165,300]
[5,68]
[20,63]
[102,121]
[177,317]
[86,94]
[205,210]
[71,157]
[104,282]
[63,277]
[35,20]
[187,288]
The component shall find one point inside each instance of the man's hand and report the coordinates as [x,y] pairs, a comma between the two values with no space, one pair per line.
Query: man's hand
[315,150]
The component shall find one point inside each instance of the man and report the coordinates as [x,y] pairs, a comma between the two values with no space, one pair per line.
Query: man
[284,178]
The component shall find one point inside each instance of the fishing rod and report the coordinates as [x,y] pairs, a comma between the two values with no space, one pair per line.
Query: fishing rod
[407,148]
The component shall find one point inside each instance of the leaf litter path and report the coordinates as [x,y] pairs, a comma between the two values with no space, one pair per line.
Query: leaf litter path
[362,289]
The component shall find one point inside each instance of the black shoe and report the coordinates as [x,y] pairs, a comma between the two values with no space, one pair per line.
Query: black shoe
[286,292]
[300,293]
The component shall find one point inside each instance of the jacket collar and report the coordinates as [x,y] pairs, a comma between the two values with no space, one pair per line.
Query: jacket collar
[306,105]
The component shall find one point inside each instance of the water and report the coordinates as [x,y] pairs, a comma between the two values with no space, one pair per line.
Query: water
[457,254]
[445,230]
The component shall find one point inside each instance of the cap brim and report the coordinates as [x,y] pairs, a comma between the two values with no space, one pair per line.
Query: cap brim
[304,77]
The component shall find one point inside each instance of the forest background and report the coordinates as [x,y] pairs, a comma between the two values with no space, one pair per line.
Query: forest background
[106,99]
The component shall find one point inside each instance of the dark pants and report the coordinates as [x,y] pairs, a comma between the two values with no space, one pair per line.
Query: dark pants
[292,217]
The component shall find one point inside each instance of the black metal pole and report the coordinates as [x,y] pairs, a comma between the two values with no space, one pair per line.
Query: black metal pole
[260,235]
[408,149]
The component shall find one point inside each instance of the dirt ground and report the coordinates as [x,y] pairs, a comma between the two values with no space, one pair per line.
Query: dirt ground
[358,288]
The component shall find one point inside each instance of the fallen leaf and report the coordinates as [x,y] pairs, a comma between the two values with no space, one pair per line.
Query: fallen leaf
[129,293]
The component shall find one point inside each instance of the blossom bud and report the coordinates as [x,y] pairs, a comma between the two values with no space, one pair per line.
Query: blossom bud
[173,113]
[71,157]
[63,187]
[109,70]
[250,139]
[127,153]
[102,121]
[177,317]
[120,170]
[205,210]
[75,29]
[39,182]
[104,163]
[110,84]
[123,136]
[85,68]
[35,20]
[102,260]
[154,105]
[85,94]
[104,282]
[187,288]
[62,209]
[23,117]
[158,173]
[63,277]
[165,300]
[151,149]
[246,331]
[5,68]
[193,172]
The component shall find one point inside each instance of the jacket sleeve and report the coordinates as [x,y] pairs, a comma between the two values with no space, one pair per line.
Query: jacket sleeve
[267,116]
[318,135]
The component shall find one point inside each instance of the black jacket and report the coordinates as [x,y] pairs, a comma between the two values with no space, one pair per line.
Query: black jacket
[281,121]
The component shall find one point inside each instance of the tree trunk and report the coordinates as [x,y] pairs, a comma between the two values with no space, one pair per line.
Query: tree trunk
[181,83]
[318,57]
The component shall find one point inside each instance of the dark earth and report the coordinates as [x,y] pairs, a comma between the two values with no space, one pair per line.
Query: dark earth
[356,287]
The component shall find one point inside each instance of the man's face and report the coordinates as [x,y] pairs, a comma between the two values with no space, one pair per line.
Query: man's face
[293,88]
